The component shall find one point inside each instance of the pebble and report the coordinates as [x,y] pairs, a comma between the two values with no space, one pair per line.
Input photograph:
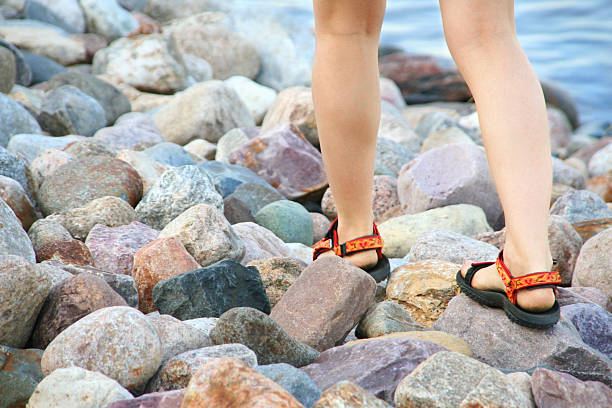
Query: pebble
[204,324]
[256,97]
[167,399]
[560,98]
[277,275]
[163,11]
[147,168]
[161,259]
[117,341]
[435,121]
[199,69]
[384,318]
[230,141]
[20,373]
[107,18]
[211,291]
[390,157]
[70,251]
[400,233]
[293,380]
[320,308]
[13,239]
[260,243]
[177,337]
[594,263]
[560,129]
[289,220]
[8,69]
[24,73]
[66,14]
[15,119]
[601,162]
[257,331]
[450,247]
[593,323]
[390,92]
[46,231]
[206,235]
[588,229]
[293,105]
[68,302]
[13,194]
[580,205]
[554,389]
[76,387]
[206,110]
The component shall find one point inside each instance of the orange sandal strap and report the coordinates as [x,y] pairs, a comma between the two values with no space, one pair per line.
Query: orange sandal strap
[514,284]
[365,243]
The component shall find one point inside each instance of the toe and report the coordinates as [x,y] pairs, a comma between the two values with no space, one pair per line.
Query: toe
[464,268]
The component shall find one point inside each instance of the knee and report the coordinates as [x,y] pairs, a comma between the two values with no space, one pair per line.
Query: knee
[360,20]
[478,35]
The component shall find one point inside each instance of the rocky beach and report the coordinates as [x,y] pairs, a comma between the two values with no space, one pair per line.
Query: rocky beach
[162,186]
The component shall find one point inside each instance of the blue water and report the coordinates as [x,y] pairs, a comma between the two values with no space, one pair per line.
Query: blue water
[567,41]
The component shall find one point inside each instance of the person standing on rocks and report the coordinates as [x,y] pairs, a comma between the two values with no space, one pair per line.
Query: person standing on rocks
[482,39]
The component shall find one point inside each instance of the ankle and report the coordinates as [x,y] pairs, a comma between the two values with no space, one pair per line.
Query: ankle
[524,262]
[351,230]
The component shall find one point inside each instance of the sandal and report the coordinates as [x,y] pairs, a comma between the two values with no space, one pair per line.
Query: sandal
[379,272]
[507,300]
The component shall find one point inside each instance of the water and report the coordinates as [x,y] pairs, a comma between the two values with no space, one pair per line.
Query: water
[567,41]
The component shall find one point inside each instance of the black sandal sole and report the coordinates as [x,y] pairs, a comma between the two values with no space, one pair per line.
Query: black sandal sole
[520,316]
[381,270]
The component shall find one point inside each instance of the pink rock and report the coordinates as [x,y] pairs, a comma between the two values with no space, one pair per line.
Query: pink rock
[560,129]
[67,251]
[166,399]
[15,196]
[560,390]
[320,224]
[113,249]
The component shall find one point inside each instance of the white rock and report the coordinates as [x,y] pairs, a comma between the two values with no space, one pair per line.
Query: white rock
[108,18]
[601,162]
[257,98]
[67,10]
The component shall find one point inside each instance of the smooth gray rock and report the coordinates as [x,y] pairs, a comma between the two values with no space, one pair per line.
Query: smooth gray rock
[66,14]
[14,119]
[391,156]
[24,73]
[177,337]
[8,70]
[289,220]
[29,146]
[43,68]
[593,323]
[11,166]
[451,247]
[385,318]
[170,154]
[293,380]
[564,174]
[580,205]
[107,18]
[130,131]
[13,239]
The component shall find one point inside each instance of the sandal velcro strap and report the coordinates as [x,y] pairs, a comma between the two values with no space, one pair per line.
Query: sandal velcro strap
[330,243]
[514,284]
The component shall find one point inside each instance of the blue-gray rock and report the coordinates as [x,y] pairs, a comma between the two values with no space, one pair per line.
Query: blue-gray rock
[293,380]
[385,318]
[133,5]
[177,190]
[593,323]
[43,68]
[391,156]
[107,18]
[29,146]
[11,166]
[14,119]
[433,122]
[264,336]
[564,174]
[289,220]
[13,239]
[580,205]
[69,111]
[211,291]
[170,154]
[227,177]
[65,14]
[112,100]
[451,247]
[24,73]
[8,70]
[20,373]
[255,196]
[131,131]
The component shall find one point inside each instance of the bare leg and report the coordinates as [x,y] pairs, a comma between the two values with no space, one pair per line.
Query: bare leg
[346,97]
[482,39]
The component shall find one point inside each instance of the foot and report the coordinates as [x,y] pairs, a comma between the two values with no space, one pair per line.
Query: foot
[363,259]
[532,300]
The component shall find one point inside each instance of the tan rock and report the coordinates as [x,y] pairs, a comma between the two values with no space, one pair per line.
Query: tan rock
[446,340]
[14,195]
[294,105]
[346,394]
[277,275]
[602,186]
[587,229]
[69,251]
[148,169]
[424,288]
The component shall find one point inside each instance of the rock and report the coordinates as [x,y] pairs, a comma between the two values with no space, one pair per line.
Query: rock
[205,110]
[29,146]
[24,289]
[14,119]
[277,275]
[321,225]
[263,335]
[580,205]
[266,154]
[150,63]
[259,242]
[68,302]
[204,324]
[199,69]
[601,162]
[109,97]
[204,36]
[168,399]
[594,262]
[147,168]
[423,78]
[594,325]
[8,68]
[554,389]
[423,288]
[565,174]
[394,127]
[293,380]
[448,341]
[46,231]
[113,248]
[227,177]
[24,73]
[400,233]
[43,68]
[14,168]
[109,211]
[88,148]
[472,183]
[77,183]
[375,365]
[78,388]
[13,194]
[19,374]
[177,337]
[211,291]
[588,229]
[68,251]
[445,137]
[391,93]
[289,220]
[130,131]
[107,18]
[177,371]
[582,294]
[560,129]
[256,97]
[601,185]
[294,105]
[65,14]
[391,156]
[201,148]
[450,247]
[43,39]
[449,379]
[177,190]
[301,252]
[320,308]
[252,197]
[559,347]
[117,341]
[161,259]
[384,318]
[13,239]
[164,12]
[169,154]
[346,394]
[560,98]
[230,141]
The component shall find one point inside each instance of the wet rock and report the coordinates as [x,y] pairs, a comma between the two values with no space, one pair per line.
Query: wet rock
[29,146]
[257,98]
[147,168]
[46,231]
[13,194]
[554,389]
[594,325]
[320,308]
[14,119]
[79,182]
[116,341]
[20,373]
[384,318]
[265,155]
[559,347]
[259,242]
[206,235]
[68,302]
[205,110]
[289,220]
[346,394]
[391,156]
[177,371]
[450,247]
[294,105]
[580,205]
[169,154]
[66,14]
[107,18]
[211,291]
[261,334]
[400,233]
[8,69]
[177,190]
[177,337]
[67,251]
[13,239]
[375,365]
[277,275]
[168,399]
[293,380]
[24,289]
[113,248]
[594,263]
[78,388]
[161,259]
